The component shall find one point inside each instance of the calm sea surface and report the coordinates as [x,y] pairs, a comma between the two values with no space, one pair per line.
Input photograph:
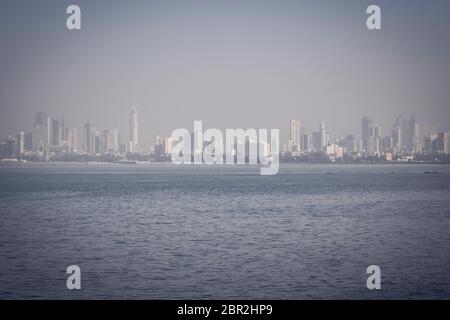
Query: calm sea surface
[161,231]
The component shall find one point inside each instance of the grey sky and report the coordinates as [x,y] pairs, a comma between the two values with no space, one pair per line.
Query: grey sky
[228,63]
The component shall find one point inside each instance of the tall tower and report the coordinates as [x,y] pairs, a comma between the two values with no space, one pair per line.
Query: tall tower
[72,138]
[21,144]
[324,137]
[89,138]
[41,132]
[55,132]
[116,140]
[134,130]
[295,135]
[366,124]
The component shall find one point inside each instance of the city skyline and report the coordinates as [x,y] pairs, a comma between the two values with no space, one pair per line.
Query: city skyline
[252,64]
[257,150]
[50,136]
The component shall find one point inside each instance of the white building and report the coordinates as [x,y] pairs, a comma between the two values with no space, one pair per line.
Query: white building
[294,139]
[134,130]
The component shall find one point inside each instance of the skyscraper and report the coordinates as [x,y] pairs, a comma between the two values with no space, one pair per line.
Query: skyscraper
[295,135]
[374,140]
[444,142]
[28,141]
[55,132]
[316,142]
[21,144]
[71,137]
[107,141]
[97,142]
[376,131]
[405,131]
[373,145]
[134,130]
[116,141]
[412,134]
[416,135]
[397,138]
[304,142]
[350,144]
[324,136]
[320,138]
[387,144]
[89,138]
[41,133]
[167,145]
[159,146]
[63,130]
[11,147]
[366,124]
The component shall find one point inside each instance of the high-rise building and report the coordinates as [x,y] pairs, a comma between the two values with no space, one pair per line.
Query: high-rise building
[374,140]
[324,135]
[397,138]
[167,145]
[375,131]
[116,140]
[42,119]
[97,143]
[295,135]
[71,136]
[41,133]
[373,145]
[159,146]
[29,141]
[305,144]
[407,134]
[427,144]
[107,141]
[350,144]
[447,143]
[412,134]
[443,142]
[417,138]
[366,125]
[63,130]
[40,139]
[11,147]
[317,141]
[387,144]
[405,138]
[2,148]
[320,138]
[129,147]
[55,132]
[89,138]
[21,144]
[134,130]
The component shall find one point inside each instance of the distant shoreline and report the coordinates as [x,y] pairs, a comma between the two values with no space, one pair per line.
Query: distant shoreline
[144,163]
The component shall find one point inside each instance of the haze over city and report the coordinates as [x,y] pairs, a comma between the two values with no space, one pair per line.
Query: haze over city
[246,64]
[224,149]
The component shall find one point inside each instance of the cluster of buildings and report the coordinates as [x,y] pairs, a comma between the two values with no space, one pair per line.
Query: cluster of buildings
[50,139]
[407,141]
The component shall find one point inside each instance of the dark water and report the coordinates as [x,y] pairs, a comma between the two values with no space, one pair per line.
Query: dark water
[224,232]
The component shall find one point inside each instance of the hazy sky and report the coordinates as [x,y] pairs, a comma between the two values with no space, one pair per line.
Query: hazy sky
[229,63]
